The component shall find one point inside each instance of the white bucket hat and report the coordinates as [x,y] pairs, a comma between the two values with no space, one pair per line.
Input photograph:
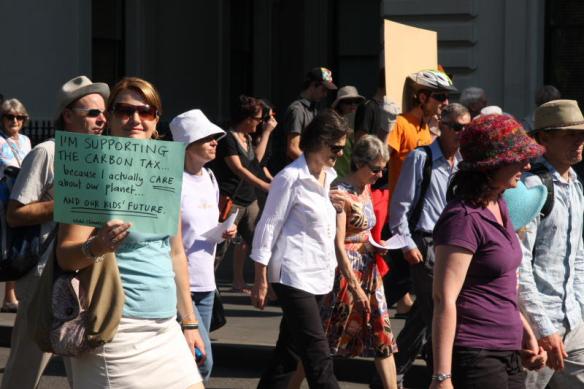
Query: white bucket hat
[190,126]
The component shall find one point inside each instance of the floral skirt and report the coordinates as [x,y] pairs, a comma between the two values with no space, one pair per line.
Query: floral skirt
[350,332]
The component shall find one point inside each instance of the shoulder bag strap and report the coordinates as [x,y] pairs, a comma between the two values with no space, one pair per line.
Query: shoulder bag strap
[11,148]
[426,177]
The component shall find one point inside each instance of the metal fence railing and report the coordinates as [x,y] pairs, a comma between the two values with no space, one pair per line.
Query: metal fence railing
[39,130]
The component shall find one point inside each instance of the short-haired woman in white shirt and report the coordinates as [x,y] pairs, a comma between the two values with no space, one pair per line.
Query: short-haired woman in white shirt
[294,243]
[200,213]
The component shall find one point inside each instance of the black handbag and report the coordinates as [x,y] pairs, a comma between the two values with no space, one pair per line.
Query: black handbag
[218,319]
[22,250]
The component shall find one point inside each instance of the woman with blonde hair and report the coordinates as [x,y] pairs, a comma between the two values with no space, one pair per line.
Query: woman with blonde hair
[149,349]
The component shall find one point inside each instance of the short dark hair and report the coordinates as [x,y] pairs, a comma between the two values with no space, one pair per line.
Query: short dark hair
[326,128]
[547,93]
[247,107]
[306,84]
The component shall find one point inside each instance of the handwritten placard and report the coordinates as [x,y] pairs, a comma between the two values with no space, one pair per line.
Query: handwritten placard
[101,178]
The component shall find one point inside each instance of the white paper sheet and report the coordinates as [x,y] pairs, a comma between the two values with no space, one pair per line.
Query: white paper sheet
[215,234]
[395,242]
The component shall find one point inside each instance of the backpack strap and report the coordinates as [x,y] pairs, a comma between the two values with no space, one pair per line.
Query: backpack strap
[540,170]
[426,177]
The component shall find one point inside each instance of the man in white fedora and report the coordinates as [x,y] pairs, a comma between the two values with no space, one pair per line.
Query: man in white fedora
[551,276]
[80,108]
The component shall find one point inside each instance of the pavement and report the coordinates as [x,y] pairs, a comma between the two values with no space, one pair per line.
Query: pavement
[242,348]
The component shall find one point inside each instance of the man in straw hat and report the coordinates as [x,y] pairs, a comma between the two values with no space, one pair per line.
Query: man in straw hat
[551,276]
[80,108]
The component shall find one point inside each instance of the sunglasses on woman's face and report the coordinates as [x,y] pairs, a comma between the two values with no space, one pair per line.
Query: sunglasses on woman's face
[376,169]
[214,137]
[125,111]
[11,117]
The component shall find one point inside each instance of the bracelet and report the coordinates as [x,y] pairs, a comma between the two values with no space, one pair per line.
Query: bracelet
[441,377]
[190,326]
[87,251]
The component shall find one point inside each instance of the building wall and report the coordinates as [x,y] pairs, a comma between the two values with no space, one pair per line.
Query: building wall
[44,44]
[495,44]
[204,54]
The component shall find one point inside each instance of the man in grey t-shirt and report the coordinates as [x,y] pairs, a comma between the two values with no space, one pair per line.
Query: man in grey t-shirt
[81,107]
[299,114]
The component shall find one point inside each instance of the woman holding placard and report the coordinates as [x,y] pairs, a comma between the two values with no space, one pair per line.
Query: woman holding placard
[200,213]
[149,349]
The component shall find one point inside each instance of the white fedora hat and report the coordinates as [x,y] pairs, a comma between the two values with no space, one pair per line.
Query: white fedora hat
[75,89]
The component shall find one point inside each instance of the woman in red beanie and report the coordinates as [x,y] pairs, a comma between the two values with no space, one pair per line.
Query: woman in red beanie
[478,331]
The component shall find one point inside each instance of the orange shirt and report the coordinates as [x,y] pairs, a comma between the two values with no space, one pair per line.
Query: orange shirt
[406,135]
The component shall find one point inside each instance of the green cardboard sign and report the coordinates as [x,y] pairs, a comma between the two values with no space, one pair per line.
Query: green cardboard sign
[101,178]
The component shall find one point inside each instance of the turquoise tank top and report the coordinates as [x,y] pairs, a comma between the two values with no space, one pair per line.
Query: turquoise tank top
[147,276]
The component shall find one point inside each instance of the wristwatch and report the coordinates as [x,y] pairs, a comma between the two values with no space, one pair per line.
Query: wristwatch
[86,250]
[441,377]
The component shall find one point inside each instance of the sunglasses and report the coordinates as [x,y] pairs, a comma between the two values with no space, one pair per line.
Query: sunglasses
[11,117]
[457,127]
[335,149]
[377,169]
[441,97]
[350,102]
[91,112]
[125,111]
[210,138]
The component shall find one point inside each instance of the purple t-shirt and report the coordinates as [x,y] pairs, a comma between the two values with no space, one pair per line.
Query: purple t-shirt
[487,310]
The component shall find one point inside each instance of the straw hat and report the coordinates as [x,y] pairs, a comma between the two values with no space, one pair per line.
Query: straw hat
[348,92]
[560,115]
[75,89]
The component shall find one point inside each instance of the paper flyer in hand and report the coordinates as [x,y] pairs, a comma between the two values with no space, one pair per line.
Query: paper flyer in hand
[215,234]
[395,242]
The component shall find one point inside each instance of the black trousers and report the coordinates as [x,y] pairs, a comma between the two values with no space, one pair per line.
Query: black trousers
[301,338]
[397,282]
[417,331]
[480,368]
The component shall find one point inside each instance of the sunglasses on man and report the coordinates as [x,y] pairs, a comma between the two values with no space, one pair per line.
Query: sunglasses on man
[457,127]
[335,149]
[89,112]
[441,97]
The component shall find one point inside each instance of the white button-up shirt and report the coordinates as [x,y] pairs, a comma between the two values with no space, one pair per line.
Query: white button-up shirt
[295,235]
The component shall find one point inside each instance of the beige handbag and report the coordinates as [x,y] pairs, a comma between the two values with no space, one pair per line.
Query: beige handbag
[95,322]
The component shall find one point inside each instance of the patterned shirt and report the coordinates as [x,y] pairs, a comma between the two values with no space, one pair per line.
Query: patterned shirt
[551,276]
